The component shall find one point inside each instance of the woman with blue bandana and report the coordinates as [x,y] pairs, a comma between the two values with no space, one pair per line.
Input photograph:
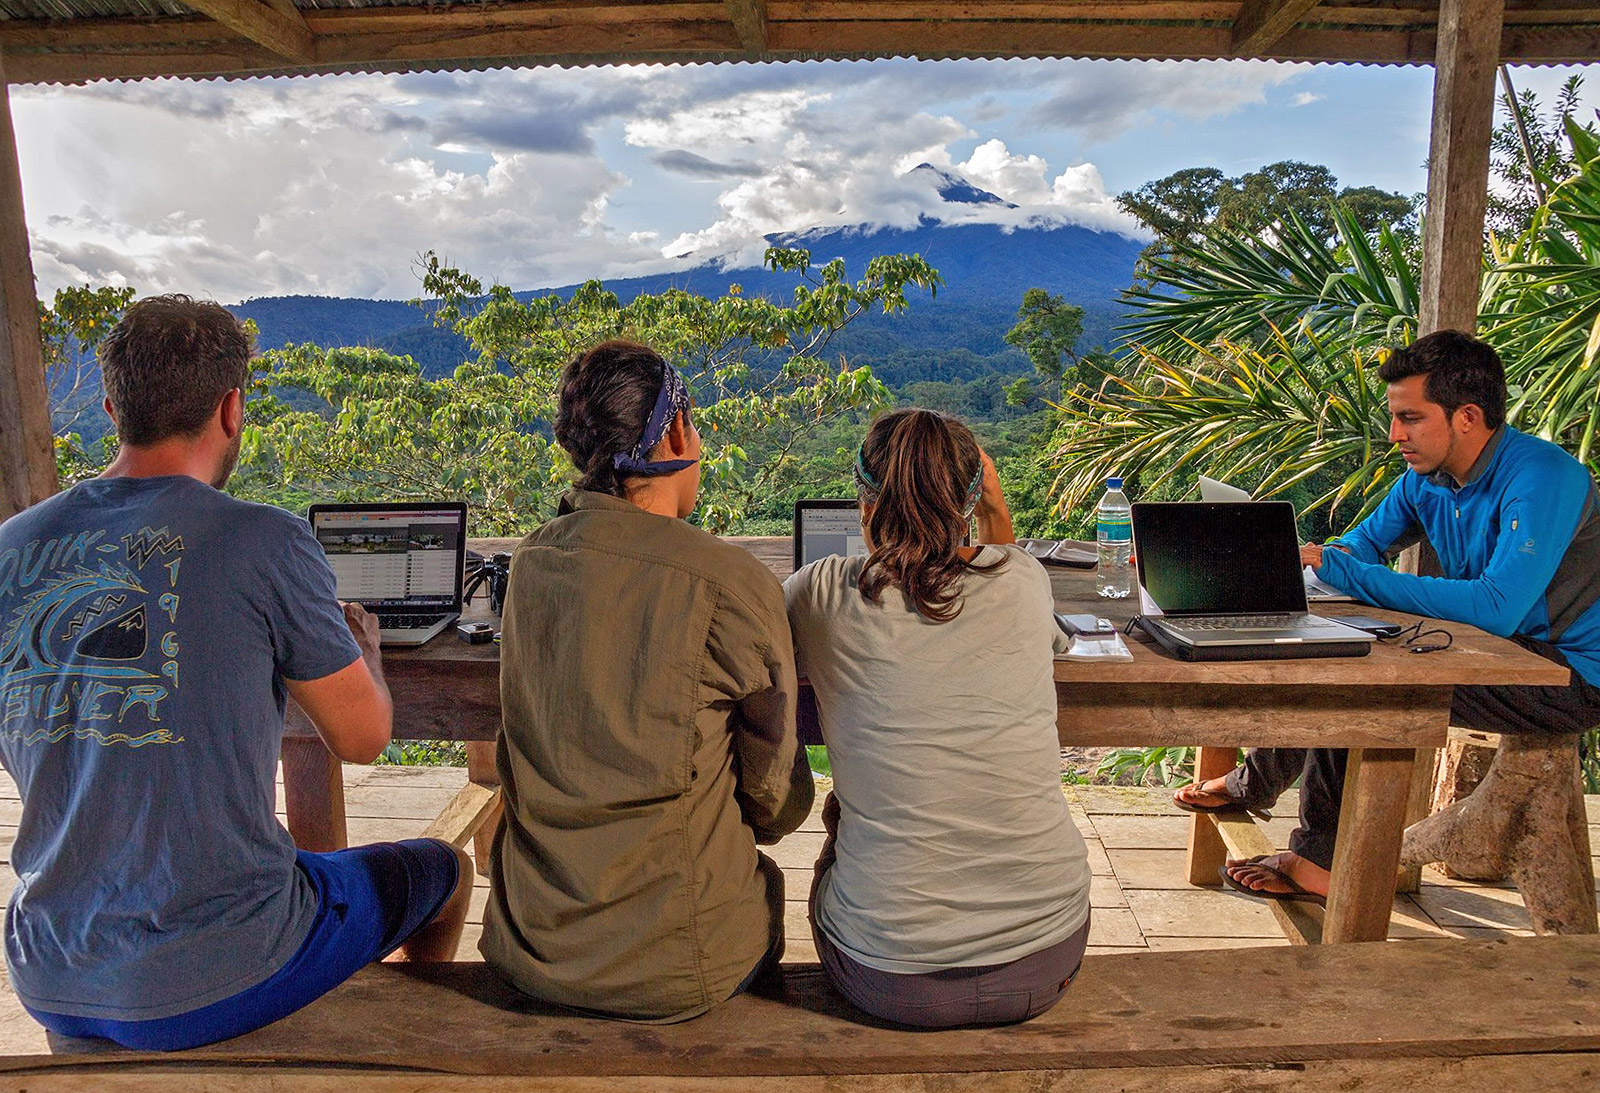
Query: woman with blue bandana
[953,888]
[648,687]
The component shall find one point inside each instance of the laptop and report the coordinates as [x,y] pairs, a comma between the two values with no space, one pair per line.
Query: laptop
[403,561]
[824,526]
[1223,583]
[1316,591]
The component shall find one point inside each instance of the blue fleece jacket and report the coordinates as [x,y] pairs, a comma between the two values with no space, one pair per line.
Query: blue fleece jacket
[1519,545]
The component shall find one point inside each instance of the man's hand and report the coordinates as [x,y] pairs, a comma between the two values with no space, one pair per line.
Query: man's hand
[363,627]
[1311,554]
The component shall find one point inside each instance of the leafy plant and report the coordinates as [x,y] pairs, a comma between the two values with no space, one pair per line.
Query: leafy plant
[817,757]
[1171,766]
[423,753]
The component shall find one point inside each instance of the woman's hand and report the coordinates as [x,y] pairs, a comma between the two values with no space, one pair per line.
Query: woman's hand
[994,518]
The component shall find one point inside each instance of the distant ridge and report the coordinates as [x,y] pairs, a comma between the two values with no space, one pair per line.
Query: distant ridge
[986,269]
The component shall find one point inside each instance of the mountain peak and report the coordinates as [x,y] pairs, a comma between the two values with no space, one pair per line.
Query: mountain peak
[955,189]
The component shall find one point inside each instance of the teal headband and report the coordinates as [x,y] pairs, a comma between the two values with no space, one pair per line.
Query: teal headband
[868,484]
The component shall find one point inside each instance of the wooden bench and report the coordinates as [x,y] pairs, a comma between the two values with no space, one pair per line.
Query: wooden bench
[1520,1013]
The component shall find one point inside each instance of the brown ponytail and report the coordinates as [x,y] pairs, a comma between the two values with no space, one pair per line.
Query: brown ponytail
[917,469]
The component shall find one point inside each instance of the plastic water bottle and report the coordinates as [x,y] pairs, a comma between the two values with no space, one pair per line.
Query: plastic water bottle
[1113,578]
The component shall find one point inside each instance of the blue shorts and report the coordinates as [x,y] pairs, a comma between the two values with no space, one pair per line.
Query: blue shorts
[370,899]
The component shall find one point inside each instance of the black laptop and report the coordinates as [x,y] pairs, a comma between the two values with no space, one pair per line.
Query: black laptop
[404,562]
[1226,580]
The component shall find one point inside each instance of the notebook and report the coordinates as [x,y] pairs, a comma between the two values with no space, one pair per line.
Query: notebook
[1222,581]
[1316,591]
[401,561]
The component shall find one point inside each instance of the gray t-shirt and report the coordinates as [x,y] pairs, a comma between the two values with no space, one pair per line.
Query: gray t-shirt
[954,847]
[146,628]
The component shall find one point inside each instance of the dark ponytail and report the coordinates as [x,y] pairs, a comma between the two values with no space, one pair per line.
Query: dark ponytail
[603,405]
[918,469]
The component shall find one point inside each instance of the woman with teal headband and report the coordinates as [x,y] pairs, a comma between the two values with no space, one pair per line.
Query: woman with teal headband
[953,888]
[648,688]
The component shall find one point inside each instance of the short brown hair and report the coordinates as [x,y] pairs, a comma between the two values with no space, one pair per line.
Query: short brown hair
[168,363]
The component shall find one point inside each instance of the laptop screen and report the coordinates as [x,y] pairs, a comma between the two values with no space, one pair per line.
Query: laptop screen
[1219,559]
[826,527]
[395,555]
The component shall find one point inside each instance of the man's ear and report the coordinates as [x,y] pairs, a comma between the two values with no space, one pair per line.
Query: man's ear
[232,411]
[110,413]
[1468,417]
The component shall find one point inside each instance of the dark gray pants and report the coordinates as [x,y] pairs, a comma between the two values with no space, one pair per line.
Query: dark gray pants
[992,994]
[1543,711]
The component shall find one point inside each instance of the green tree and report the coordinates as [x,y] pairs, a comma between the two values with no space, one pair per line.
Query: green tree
[1047,332]
[1529,159]
[71,328]
[763,380]
[1186,205]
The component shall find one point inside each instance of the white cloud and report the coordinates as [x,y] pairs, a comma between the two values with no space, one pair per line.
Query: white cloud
[335,184]
[1305,98]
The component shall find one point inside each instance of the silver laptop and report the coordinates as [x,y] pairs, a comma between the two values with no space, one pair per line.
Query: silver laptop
[402,561]
[1212,489]
[1223,581]
[824,526]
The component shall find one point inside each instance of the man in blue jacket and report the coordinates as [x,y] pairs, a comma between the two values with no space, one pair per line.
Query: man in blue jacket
[1515,524]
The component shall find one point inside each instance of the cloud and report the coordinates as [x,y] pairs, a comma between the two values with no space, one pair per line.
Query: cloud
[548,176]
[1305,98]
[693,165]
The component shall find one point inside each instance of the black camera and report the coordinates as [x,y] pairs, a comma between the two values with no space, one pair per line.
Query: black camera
[492,574]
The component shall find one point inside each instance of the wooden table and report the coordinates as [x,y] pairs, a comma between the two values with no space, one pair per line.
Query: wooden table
[1384,707]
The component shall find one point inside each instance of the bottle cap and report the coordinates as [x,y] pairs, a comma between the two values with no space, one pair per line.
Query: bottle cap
[1113,483]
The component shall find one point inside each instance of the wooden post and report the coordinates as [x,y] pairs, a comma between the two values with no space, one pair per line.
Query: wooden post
[27,445]
[1207,851]
[313,793]
[1465,61]
[482,771]
[1366,856]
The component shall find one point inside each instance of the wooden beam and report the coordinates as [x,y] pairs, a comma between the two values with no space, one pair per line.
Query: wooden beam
[749,18]
[1260,23]
[27,444]
[283,34]
[1466,59]
[1301,922]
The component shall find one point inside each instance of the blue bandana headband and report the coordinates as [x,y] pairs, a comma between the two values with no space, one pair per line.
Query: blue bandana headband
[672,400]
[871,486]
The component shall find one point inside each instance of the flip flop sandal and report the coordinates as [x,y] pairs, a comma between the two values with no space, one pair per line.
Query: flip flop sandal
[1295,894]
[1231,806]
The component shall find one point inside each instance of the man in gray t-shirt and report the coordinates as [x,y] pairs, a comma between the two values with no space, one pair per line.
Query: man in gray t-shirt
[150,629]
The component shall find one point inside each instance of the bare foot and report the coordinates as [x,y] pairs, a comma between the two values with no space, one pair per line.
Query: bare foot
[1308,875]
[1209,794]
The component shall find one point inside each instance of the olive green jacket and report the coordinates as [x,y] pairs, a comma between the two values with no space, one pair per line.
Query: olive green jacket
[648,682]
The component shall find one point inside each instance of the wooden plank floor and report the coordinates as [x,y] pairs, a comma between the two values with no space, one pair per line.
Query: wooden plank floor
[1135,843]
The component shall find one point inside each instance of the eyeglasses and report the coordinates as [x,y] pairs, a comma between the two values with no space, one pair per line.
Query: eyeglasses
[1415,638]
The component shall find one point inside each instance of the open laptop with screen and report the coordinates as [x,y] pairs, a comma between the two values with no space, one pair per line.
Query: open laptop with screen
[403,561]
[826,526]
[1226,581]
[1212,489]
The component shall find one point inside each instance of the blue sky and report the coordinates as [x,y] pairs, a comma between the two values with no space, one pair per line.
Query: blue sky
[334,185]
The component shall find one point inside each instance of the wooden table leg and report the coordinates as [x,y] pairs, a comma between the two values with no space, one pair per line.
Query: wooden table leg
[1417,806]
[1377,787]
[1207,852]
[313,794]
[482,771]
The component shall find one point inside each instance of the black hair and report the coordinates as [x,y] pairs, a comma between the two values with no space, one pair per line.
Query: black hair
[603,406]
[1460,370]
[168,363]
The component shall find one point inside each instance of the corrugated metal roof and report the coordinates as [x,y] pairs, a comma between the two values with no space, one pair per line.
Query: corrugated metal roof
[73,41]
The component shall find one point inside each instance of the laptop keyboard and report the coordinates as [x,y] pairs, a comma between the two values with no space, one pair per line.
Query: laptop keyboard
[410,622]
[1200,624]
